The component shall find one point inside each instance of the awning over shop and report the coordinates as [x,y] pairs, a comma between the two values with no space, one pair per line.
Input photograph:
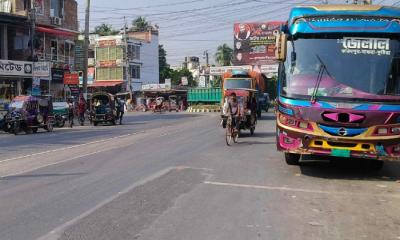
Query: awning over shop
[54,31]
[106,83]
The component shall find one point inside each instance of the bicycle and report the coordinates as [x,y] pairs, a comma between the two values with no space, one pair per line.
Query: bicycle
[231,134]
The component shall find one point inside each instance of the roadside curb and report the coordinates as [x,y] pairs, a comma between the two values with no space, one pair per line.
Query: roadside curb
[203,110]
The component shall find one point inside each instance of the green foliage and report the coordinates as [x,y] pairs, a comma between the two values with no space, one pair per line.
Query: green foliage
[224,55]
[140,24]
[176,76]
[162,64]
[105,30]
[216,82]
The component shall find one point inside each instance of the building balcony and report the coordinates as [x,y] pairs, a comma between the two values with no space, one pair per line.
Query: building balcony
[13,8]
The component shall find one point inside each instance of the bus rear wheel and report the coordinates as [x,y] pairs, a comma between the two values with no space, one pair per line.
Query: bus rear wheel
[292,158]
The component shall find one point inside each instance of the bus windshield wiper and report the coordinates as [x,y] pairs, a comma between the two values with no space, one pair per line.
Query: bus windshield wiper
[322,69]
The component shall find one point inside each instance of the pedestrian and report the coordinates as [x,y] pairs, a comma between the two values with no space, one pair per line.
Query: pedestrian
[70,113]
[81,109]
[120,109]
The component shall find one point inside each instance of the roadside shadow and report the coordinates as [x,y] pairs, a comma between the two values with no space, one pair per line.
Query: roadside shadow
[247,143]
[348,169]
[14,177]
[267,117]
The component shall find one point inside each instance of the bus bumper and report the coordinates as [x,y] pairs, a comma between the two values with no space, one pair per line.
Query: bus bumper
[298,142]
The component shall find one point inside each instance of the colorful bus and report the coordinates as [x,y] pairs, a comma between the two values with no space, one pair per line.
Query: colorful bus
[339,83]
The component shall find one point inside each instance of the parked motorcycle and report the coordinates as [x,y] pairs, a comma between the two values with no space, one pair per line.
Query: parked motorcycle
[60,120]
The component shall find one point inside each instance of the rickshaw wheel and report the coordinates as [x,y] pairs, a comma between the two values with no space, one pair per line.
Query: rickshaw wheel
[49,127]
[228,135]
[235,136]
[252,131]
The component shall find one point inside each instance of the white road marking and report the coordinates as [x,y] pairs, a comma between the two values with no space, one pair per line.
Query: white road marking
[288,189]
[71,147]
[55,163]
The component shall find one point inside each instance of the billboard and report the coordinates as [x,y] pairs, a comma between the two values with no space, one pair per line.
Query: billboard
[254,43]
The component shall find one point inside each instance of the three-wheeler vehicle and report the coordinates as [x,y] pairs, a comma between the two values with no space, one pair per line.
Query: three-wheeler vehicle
[102,109]
[29,113]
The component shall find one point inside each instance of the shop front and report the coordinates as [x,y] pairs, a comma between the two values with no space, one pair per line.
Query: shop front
[15,79]
[58,90]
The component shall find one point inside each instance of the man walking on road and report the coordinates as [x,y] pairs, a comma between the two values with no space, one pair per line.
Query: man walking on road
[120,109]
[70,113]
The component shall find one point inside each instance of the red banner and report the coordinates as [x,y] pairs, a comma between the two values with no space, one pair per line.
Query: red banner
[71,78]
[254,43]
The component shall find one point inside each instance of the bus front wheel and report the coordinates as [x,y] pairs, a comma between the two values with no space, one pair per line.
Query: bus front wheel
[292,158]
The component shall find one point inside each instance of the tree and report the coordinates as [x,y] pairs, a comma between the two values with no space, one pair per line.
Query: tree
[176,77]
[105,30]
[140,24]
[164,70]
[224,55]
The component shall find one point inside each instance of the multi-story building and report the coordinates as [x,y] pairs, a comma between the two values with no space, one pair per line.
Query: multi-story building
[14,50]
[121,60]
[145,71]
[56,33]
[49,28]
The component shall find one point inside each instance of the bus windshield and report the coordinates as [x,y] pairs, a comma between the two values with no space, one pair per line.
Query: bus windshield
[236,83]
[356,68]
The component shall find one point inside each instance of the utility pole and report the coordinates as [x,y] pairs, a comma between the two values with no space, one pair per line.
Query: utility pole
[206,55]
[127,68]
[86,49]
[32,16]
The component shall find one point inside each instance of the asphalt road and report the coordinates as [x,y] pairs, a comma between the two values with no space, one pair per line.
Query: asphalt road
[171,176]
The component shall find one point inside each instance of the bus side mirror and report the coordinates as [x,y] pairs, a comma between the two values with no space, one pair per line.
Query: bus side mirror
[280,47]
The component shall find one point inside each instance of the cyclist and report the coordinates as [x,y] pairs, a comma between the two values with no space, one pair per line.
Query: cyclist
[233,107]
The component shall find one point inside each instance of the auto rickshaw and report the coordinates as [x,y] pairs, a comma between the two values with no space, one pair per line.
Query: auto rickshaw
[102,109]
[159,107]
[173,105]
[29,113]
[60,110]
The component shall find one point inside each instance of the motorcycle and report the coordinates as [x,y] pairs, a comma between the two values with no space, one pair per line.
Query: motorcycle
[60,120]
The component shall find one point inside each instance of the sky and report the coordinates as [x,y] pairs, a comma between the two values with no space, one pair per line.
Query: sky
[190,27]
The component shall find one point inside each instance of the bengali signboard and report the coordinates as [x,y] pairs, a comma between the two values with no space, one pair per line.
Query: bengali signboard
[254,43]
[71,78]
[109,42]
[15,68]
[90,76]
[109,63]
[79,56]
[57,75]
[218,71]
[153,86]
[41,69]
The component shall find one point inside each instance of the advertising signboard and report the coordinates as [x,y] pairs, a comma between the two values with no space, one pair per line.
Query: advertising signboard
[254,43]
[184,81]
[41,69]
[71,78]
[57,75]
[90,76]
[219,71]
[15,68]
